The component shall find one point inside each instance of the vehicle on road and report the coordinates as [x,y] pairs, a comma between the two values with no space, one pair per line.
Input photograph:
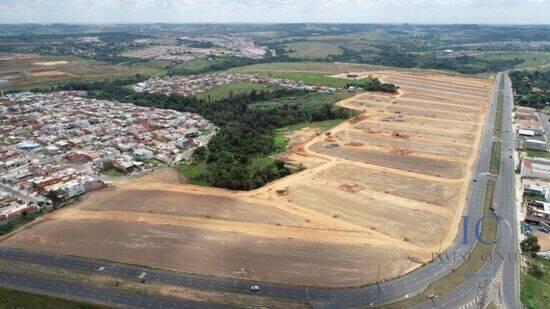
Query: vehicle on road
[255,288]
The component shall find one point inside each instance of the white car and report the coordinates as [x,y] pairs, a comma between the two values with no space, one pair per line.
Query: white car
[255,288]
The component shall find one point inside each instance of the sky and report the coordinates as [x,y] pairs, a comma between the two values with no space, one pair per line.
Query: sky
[276,11]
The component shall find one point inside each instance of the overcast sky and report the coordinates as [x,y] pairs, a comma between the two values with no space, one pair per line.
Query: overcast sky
[248,11]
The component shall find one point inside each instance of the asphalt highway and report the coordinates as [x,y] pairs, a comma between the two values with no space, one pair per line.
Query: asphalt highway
[400,288]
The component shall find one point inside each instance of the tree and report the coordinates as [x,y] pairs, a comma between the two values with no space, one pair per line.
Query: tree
[530,246]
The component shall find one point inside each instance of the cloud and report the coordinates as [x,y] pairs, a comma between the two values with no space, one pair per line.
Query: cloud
[145,11]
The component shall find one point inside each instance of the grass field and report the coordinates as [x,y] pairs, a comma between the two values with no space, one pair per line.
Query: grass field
[16,299]
[281,141]
[530,59]
[496,152]
[309,78]
[194,65]
[192,172]
[234,88]
[30,71]
[499,115]
[113,172]
[309,102]
[535,289]
[328,68]
[313,50]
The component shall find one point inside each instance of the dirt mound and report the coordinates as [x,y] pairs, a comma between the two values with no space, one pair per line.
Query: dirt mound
[401,151]
[397,134]
[350,187]
[357,119]
[415,259]
[354,144]
[299,150]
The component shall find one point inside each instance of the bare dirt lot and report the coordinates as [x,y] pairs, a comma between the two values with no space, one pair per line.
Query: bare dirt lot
[386,188]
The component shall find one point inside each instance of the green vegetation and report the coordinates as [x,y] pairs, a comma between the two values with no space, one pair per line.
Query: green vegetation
[193,173]
[530,246]
[533,197]
[536,153]
[218,64]
[18,299]
[374,84]
[230,90]
[308,104]
[470,266]
[48,71]
[530,60]
[313,50]
[496,153]
[15,223]
[236,155]
[535,284]
[499,115]
[306,66]
[321,125]
[113,172]
[531,88]
[281,141]
[309,78]
[193,66]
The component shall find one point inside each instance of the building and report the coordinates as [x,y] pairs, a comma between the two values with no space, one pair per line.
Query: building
[537,212]
[533,144]
[524,132]
[535,168]
[28,146]
[143,154]
[184,143]
[536,189]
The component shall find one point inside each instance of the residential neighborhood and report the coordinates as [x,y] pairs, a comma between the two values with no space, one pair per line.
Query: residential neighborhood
[195,84]
[57,146]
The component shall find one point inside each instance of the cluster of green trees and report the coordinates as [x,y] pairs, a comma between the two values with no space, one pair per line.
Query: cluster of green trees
[374,84]
[468,64]
[391,56]
[238,155]
[222,63]
[530,246]
[531,88]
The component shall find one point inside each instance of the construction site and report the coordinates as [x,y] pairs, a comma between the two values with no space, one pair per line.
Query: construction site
[379,195]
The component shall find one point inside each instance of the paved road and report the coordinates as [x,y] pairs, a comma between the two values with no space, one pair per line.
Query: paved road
[86,293]
[504,263]
[399,288]
[507,206]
